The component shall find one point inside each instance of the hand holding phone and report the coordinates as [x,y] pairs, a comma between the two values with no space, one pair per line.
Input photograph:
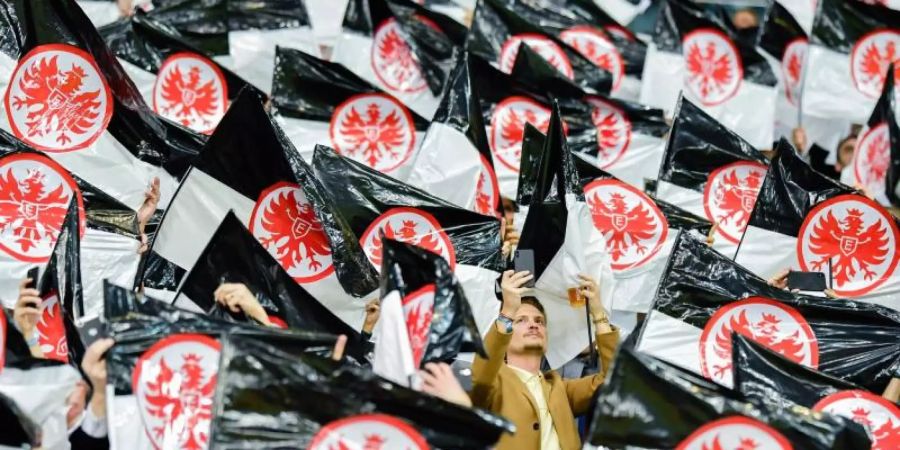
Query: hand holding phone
[806,281]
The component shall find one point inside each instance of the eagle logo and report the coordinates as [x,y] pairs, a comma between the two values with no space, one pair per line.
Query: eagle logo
[410,225]
[190,90]
[542,45]
[713,68]
[872,157]
[633,226]
[878,416]
[393,61]
[596,48]
[729,197]
[487,190]
[34,196]
[870,58]
[613,131]
[418,308]
[508,127]
[792,63]
[51,330]
[368,432]
[735,433]
[779,327]
[373,129]
[285,223]
[853,237]
[57,100]
[174,382]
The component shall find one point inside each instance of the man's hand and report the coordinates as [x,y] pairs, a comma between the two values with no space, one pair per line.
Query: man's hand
[799,138]
[337,353]
[146,211]
[94,366]
[590,290]
[373,312]
[779,280]
[711,236]
[237,297]
[439,381]
[511,283]
[27,311]
[125,7]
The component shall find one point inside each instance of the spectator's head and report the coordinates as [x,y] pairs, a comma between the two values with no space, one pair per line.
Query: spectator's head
[509,209]
[845,152]
[529,329]
[744,19]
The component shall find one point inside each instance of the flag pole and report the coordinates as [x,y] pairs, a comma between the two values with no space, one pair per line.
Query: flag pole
[587,316]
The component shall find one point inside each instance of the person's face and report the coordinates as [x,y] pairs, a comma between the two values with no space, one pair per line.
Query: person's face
[529,331]
[744,20]
[845,154]
[509,210]
[76,401]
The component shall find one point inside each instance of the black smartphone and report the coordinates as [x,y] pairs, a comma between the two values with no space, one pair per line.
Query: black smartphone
[91,329]
[33,274]
[806,281]
[523,259]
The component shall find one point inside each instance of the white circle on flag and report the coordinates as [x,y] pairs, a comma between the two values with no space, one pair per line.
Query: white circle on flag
[393,61]
[57,99]
[613,132]
[508,127]
[872,157]
[418,309]
[792,63]
[869,60]
[857,236]
[729,197]
[542,45]
[878,416]
[596,48]
[373,129]
[735,432]
[285,223]
[190,90]
[713,69]
[409,225]
[365,431]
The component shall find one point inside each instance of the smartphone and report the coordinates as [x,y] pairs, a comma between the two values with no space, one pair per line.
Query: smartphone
[91,329]
[806,281]
[33,274]
[523,259]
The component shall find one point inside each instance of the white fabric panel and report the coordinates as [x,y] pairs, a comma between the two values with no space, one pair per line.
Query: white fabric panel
[447,166]
[162,295]
[692,202]
[671,340]
[393,358]
[326,17]
[354,52]
[827,133]
[252,52]
[202,203]
[330,293]
[765,252]
[750,113]
[622,11]
[143,80]
[828,90]
[478,285]
[629,89]
[100,12]
[106,256]
[635,289]
[126,430]
[804,12]
[641,160]
[42,393]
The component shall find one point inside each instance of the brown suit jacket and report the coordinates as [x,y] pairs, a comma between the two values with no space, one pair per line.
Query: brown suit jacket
[497,388]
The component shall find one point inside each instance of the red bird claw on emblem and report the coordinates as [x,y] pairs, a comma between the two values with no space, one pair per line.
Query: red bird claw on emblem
[374,129]
[792,63]
[713,68]
[418,308]
[730,195]
[174,382]
[869,60]
[393,61]
[58,100]
[508,127]
[735,433]
[487,190]
[598,49]
[542,45]
[872,157]
[878,416]
[368,432]
[285,223]
[779,327]
[409,225]
[35,193]
[51,330]
[633,226]
[190,90]
[853,237]
[613,132]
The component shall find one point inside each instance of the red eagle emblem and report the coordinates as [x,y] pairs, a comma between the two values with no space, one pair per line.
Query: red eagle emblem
[634,228]
[487,190]
[409,225]
[375,130]
[613,131]
[174,382]
[418,307]
[508,128]
[770,323]
[596,48]
[870,58]
[729,197]
[190,90]
[542,45]
[713,68]
[34,196]
[735,433]
[58,101]
[284,222]
[393,61]
[872,157]
[792,63]
[880,417]
[859,239]
[368,432]
[51,330]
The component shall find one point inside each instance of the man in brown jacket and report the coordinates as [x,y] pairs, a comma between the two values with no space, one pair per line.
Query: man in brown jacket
[543,406]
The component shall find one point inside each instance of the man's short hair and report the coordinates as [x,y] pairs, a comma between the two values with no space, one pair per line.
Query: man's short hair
[533,301]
